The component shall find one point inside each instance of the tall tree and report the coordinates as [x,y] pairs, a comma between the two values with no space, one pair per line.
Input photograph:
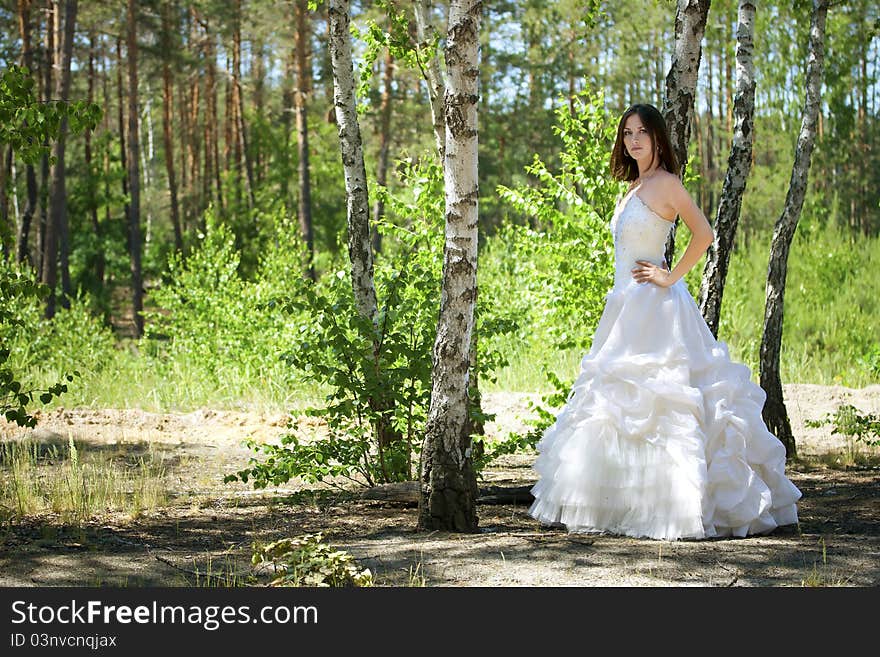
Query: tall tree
[56,227]
[384,139]
[27,58]
[430,65]
[302,37]
[681,84]
[47,78]
[167,111]
[774,413]
[357,199]
[99,260]
[134,205]
[448,490]
[738,166]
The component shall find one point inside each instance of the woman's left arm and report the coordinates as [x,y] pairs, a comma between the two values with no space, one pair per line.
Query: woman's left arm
[702,234]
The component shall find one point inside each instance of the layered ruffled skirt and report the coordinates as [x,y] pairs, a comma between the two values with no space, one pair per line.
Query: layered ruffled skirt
[662,434]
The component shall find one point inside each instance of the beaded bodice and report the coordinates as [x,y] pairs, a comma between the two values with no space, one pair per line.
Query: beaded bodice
[639,234]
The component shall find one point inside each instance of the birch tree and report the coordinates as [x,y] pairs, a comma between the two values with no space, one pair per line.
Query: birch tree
[430,66]
[774,413]
[448,486]
[738,166]
[357,199]
[681,84]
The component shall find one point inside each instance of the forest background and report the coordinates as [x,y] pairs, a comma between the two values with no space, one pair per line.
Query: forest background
[242,199]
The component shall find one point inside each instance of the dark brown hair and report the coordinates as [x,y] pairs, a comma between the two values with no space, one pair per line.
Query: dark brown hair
[624,167]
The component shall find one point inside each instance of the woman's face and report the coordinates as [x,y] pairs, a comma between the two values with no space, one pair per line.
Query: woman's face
[636,139]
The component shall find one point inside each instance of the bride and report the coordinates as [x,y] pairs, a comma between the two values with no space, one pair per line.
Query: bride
[661,435]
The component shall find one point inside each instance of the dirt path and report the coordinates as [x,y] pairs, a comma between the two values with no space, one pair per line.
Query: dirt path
[209,526]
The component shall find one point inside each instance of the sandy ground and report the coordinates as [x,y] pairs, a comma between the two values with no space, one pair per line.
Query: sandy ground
[209,525]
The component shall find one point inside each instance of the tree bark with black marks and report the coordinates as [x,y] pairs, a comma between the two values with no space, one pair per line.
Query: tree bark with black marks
[426,34]
[56,227]
[134,186]
[448,480]
[774,413]
[681,84]
[738,166]
[358,207]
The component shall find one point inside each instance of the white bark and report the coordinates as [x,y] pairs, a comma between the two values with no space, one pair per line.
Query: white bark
[448,482]
[775,414]
[358,208]
[738,166]
[681,84]
[426,34]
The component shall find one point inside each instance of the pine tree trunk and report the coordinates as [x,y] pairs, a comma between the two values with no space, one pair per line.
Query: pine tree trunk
[134,207]
[212,148]
[287,111]
[123,142]
[57,224]
[99,260]
[27,58]
[738,167]
[448,493]
[259,76]
[43,187]
[775,414]
[384,139]
[358,208]
[7,228]
[303,75]
[168,139]
[681,84]
[242,156]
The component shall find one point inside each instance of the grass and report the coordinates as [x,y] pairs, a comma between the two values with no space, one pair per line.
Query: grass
[74,483]
[822,575]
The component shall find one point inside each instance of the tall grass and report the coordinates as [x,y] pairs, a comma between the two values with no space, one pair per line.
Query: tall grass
[64,480]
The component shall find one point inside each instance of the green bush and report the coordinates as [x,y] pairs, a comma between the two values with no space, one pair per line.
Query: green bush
[22,334]
[216,323]
[308,561]
[362,363]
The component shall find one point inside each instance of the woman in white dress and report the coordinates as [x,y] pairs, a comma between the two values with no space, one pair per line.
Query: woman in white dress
[661,435]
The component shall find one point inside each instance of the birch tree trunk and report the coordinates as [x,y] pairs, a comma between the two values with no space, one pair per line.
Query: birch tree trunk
[681,84]
[57,223]
[426,35]
[358,208]
[738,166]
[775,414]
[134,206]
[448,489]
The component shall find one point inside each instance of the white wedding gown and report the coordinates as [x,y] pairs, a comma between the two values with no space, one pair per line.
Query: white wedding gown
[661,435]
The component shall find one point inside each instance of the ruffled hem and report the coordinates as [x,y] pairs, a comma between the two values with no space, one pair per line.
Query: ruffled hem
[662,434]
